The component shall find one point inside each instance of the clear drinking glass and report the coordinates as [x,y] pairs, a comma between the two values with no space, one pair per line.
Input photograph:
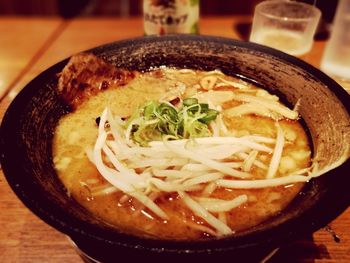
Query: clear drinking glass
[285,25]
[336,58]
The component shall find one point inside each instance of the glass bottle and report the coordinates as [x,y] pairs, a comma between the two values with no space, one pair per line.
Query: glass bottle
[170,16]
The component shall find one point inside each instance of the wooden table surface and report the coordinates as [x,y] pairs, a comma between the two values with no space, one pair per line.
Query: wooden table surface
[30,45]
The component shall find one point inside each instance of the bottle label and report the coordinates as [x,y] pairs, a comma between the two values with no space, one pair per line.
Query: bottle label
[170,16]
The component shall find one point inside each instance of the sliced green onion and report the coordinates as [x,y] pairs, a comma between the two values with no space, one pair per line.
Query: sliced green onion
[157,119]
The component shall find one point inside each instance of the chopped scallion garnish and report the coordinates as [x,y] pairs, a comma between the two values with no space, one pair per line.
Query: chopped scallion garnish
[157,119]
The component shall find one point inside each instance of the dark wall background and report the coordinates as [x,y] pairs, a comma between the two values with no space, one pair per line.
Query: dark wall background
[113,7]
[123,8]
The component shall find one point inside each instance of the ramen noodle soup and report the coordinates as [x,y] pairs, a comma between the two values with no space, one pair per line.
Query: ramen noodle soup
[178,153]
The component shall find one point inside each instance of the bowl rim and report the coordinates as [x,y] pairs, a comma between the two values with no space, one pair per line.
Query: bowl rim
[77,228]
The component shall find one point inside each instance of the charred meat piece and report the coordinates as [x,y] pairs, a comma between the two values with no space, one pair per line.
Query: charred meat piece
[85,75]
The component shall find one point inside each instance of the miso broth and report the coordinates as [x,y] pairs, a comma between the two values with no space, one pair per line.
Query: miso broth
[77,132]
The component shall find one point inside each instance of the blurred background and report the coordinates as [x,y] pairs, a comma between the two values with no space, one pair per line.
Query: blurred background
[126,8]
[122,8]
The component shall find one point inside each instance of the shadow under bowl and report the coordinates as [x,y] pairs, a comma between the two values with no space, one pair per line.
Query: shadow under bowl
[29,123]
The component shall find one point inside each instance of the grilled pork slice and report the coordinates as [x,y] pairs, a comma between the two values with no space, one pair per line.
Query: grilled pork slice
[85,75]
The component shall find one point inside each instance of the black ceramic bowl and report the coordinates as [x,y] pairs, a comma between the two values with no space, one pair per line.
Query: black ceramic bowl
[28,126]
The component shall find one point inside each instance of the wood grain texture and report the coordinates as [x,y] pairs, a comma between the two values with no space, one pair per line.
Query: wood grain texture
[21,39]
[24,237]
